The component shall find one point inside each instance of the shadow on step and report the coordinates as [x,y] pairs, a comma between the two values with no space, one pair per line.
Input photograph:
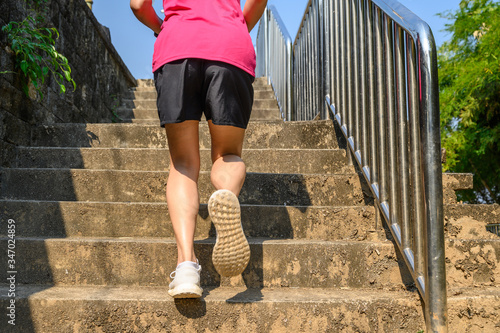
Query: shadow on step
[37,220]
[191,308]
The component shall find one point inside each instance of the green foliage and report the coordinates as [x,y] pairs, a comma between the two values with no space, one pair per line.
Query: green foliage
[35,53]
[469,74]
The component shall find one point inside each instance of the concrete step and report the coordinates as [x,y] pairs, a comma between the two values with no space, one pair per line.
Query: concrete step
[261,81]
[470,221]
[149,186]
[156,121]
[262,88]
[272,134]
[486,214]
[473,262]
[303,161]
[270,103]
[148,262]
[264,94]
[139,121]
[141,93]
[273,263]
[114,219]
[151,103]
[140,219]
[131,113]
[145,83]
[148,83]
[150,91]
[227,310]
[453,182]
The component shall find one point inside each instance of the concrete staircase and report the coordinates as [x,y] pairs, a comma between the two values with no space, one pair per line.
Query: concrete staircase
[94,244]
[143,110]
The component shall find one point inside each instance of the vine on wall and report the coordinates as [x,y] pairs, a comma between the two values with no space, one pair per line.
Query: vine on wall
[36,56]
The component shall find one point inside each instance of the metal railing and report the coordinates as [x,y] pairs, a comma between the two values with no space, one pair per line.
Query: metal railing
[373,65]
[274,58]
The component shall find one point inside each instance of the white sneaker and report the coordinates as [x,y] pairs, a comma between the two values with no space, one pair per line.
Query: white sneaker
[186,281]
[231,252]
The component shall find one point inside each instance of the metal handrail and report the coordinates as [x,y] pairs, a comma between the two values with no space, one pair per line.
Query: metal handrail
[374,65]
[274,58]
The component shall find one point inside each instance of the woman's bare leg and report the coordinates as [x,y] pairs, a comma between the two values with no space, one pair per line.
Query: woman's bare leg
[182,186]
[228,169]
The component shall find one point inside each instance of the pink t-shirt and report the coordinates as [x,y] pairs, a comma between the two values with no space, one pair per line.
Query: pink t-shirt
[205,29]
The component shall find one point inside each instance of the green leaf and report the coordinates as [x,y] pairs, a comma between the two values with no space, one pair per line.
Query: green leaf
[24,66]
[67,75]
[63,58]
[63,88]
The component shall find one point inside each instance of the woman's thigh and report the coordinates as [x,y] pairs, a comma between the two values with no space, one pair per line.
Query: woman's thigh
[226,140]
[183,144]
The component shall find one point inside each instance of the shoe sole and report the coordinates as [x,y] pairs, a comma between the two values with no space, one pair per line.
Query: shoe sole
[186,291]
[231,252]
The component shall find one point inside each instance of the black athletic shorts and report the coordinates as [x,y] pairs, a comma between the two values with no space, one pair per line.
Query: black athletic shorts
[189,87]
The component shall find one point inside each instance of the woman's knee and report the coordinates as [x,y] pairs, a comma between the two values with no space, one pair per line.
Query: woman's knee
[189,163]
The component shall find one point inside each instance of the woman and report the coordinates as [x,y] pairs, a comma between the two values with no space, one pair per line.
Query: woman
[204,62]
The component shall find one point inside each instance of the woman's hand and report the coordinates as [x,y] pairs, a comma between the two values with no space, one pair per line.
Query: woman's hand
[253,11]
[144,11]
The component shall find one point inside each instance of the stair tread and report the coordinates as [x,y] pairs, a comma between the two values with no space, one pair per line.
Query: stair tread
[230,309]
[281,174]
[154,99]
[259,134]
[251,240]
[236,294]
[326,150]
[243,205]
[211,294]
[211,240]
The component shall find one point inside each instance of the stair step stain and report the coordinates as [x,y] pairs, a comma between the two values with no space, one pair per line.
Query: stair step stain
[120,309]
[273,263]
[303,161]
[149,186]
[100,219]
[148,262]
[269,134]
[152,114]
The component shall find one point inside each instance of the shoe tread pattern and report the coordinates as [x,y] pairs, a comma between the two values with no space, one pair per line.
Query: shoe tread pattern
[231,252]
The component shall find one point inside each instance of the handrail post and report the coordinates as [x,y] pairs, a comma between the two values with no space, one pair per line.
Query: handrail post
[289,101]
[266,45]
[325,18]
[435,291]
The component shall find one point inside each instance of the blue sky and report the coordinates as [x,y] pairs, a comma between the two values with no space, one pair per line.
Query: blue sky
[135,42]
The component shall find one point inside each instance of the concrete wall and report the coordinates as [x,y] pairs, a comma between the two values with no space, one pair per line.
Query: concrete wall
[100,74]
